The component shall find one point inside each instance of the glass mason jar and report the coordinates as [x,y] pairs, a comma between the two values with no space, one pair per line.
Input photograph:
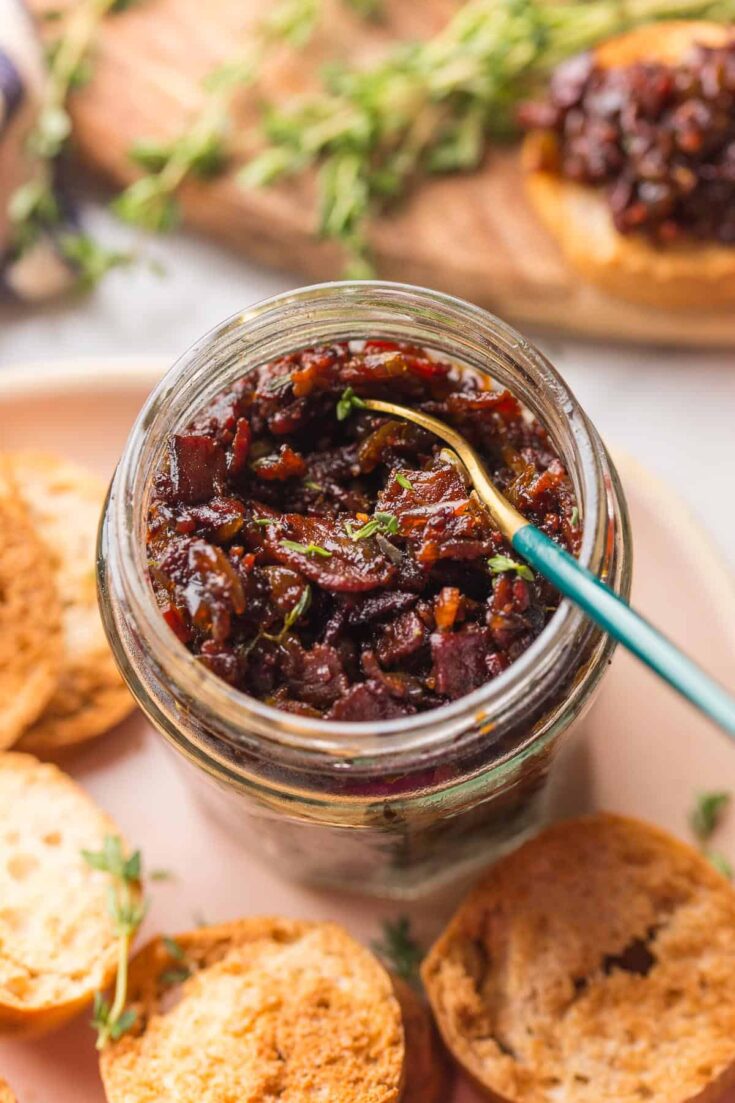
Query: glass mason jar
[400,809]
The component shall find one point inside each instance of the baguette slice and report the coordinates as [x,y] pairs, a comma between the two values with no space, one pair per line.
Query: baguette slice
[57,944]
[272,1009]
[65,502]
[694,275]
[30,616]
[593,965]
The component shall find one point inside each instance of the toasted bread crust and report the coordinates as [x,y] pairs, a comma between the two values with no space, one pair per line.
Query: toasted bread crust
[273,1007]
[592,965]
[57,944]
[65,503]
[30,616]
[696,275]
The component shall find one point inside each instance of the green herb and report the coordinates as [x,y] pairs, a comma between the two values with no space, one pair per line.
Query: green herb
[173,948]
[707,814]
[127,910]
[202,148]
[403,481]
[434,106]
[500,563]
[720,862]
[311,485]
[298,610]
[704,819]
[90,260]
[266,521]
[574,519]
[170,977]
[399,950]
[161,875]
[348,402]
[32,208]
[306,549]
[385,523]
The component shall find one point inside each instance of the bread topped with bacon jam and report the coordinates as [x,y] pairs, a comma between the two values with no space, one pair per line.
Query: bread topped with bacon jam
[593,965]
[629,164]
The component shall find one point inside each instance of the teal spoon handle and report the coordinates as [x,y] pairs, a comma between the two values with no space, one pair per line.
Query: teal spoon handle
[620,621]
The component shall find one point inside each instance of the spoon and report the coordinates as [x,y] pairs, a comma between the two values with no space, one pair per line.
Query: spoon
[597,600]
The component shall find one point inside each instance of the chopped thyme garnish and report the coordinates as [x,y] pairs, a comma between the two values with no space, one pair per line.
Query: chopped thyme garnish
[386,523]
[266,521]
[348,402]
[500,563]
[707,814]
[403,481]
[127,909]
[306,549]
[704,819]
[298,610]
[399,950]
[170,977]
[174,949]
[574,518]
[161,875]
[311,485]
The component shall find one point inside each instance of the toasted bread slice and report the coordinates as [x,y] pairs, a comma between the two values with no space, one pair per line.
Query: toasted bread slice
[273,1008]
[6,1095]
[57,944]
[30,616]
[428,1073]
[695,275]
[593,965]
[65,502]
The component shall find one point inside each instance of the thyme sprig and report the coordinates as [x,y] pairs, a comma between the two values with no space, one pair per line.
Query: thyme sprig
[127,910]
[399,949]
[202,148]
[433,107]
[33,207]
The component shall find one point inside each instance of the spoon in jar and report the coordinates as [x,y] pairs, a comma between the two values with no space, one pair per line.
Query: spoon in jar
[590,593]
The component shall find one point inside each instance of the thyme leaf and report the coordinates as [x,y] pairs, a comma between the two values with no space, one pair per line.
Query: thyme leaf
[386,523]
[704,819]
[298,610]
[707,814]
[500,563]
[403,481]
[399,950]
[348,402]
[306,549]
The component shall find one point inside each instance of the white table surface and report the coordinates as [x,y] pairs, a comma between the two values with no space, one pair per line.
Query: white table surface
[673,410]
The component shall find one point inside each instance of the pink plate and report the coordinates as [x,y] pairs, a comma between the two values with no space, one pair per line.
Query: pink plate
[640,751]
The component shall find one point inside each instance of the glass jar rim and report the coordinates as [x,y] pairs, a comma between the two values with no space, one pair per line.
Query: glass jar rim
[170,400]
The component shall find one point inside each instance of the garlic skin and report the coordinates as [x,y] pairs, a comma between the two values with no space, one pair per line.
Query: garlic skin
[40,272]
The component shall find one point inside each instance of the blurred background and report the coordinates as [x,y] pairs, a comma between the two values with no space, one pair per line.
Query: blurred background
[165,84]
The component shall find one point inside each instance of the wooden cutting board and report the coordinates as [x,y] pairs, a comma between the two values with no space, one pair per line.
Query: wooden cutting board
[473,235]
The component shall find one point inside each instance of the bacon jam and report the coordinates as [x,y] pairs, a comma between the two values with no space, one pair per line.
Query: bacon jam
[660,139]
[331,561]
